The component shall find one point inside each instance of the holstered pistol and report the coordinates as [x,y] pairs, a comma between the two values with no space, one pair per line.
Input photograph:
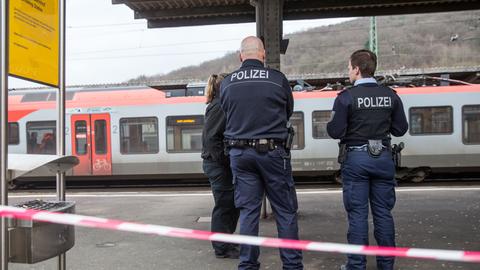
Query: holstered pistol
[342,152]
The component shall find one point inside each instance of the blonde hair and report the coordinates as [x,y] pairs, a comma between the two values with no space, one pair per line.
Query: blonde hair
[213,86]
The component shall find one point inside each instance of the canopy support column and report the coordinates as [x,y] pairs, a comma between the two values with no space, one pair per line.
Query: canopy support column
[269,18]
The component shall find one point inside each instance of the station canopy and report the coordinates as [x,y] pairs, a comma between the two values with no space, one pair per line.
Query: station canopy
[174,13]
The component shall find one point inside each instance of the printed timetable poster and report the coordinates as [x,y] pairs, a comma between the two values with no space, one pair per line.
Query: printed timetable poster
[34,40]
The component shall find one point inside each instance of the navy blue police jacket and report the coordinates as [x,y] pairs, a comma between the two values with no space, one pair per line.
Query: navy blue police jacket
[365,112]
[257,102]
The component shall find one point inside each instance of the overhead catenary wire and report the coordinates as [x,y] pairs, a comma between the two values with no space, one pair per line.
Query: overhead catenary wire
[345,45]
[320,31]
[157,46]
[234,39]
[148,55]
[106,25]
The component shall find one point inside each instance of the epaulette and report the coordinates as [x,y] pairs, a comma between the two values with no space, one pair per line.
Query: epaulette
[393,90]
[274,69]
[345,89]
[342,91]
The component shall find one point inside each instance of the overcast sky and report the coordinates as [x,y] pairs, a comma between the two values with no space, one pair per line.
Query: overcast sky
[106,45]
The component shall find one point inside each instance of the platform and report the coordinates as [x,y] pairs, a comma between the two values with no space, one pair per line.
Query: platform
[427,217]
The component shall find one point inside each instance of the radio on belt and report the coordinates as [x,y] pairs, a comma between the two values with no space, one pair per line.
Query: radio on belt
[35,241]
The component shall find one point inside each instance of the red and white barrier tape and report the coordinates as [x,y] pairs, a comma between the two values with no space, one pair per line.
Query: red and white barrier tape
[94,222]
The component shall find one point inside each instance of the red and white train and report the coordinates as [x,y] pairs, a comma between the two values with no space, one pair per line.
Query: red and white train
[139,132]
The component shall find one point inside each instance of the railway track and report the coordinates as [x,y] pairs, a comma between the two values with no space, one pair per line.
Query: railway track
[326,182]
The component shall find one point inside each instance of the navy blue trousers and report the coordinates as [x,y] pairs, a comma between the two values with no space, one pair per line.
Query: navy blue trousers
[369,180]
[224,214]
[271,173]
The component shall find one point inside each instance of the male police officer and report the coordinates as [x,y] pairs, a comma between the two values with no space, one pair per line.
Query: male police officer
[363,118]
[258,102]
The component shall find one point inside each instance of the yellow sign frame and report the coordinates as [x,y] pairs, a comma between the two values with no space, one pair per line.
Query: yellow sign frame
[34,40]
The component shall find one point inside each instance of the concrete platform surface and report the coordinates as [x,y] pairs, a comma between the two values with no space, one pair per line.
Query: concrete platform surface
[437,217]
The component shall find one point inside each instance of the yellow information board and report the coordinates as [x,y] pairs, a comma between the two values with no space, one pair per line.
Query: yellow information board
[34,40]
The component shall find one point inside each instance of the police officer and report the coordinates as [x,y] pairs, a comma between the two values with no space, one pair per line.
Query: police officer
[363,118]
[217,168]
[258,102]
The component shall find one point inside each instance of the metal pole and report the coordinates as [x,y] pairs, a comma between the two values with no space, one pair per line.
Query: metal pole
[259,18]
[373,43]
[62,262]
[4,129]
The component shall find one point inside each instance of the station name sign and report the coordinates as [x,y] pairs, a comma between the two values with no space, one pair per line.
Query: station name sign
[34,40]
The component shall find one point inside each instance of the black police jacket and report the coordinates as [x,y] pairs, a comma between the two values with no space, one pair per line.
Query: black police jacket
[212,134]
[367,112]
[257,101]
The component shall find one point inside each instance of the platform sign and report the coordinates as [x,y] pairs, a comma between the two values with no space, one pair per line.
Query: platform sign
[34,40]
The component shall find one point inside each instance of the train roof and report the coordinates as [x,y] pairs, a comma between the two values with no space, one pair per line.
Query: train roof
[147,95]
[22,103]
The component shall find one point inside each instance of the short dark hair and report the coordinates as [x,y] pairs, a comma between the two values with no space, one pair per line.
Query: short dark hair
[366,61]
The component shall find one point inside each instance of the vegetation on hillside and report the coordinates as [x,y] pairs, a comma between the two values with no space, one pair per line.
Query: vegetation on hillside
[405,41]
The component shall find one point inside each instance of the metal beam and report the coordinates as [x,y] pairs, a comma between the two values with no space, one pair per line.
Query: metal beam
[196,12]
[201,21]
[115,2]
[350,4]
[272,24]
[206,12]
[323,13]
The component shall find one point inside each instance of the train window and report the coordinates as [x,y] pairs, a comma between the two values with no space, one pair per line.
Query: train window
[184,133]
[319,124]
[471,124]
[41,137]
[139,135]
[50,96]
[100,137]
[81,143]
[68,96]
[298,125]
[35,97]
[431,120]
[13,133]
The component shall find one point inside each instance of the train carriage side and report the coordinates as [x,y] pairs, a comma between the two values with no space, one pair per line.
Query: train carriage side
[444,132]
[32,124]
[314,152]
[139,132]
[444,128]
[159,139]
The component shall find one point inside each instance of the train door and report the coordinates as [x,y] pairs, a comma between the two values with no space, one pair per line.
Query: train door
[91,143]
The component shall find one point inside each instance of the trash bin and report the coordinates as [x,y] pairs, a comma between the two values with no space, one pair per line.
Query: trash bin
[34,241]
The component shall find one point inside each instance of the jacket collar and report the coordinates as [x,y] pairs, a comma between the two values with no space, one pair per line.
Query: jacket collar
[252,63]
[369,80]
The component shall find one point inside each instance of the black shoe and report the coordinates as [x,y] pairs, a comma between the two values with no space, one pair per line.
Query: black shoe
[229,254]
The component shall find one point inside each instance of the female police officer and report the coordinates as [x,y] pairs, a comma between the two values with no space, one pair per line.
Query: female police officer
[363,118]
[217,167]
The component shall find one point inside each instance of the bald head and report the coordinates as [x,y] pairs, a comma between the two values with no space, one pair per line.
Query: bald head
[252,48]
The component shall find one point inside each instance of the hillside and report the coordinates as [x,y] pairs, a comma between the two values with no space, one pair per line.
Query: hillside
[406,41]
